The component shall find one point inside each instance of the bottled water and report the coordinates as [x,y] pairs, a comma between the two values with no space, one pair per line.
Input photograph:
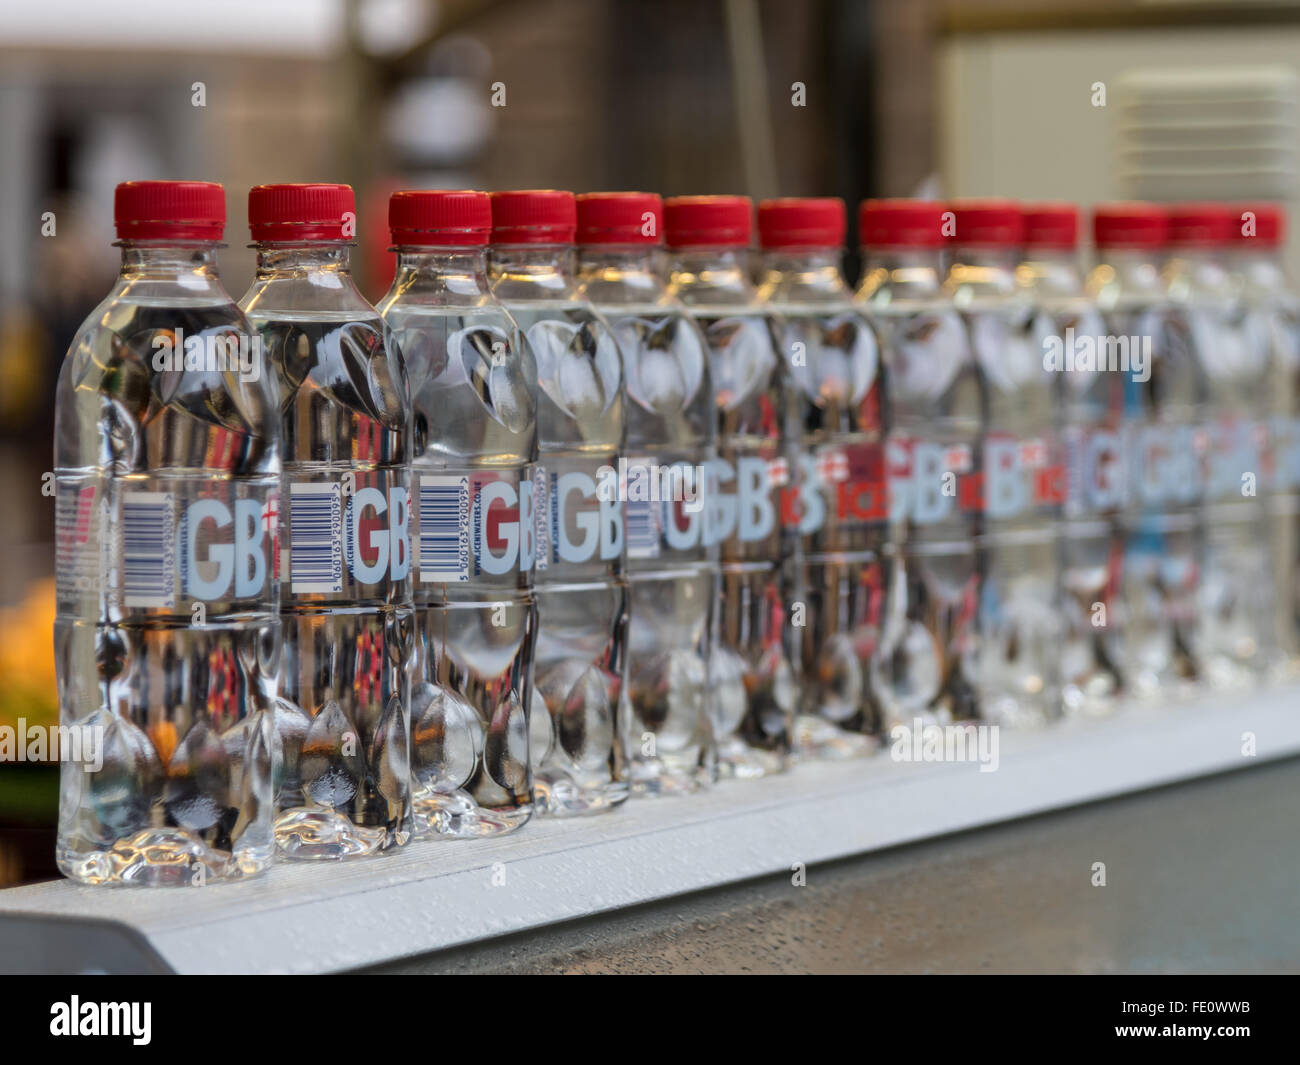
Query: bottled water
[1090,411]
[579,762]
[1273,323]
[671,567]
[751,684]
[1021,479]
[473,384]
[924,668]
[167,638]
[1209,328]
[343,715]
[835,509]
[1162,492]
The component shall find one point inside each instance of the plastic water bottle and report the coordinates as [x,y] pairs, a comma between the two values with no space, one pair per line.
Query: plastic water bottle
[578,757]
[751,684]
[473,385]
[1209,326]
[1022,480]
[343,715]
[924,668]
[671,567]
[1162,499]
[167,638]
[1090,411]
[835,509]
[1273,322]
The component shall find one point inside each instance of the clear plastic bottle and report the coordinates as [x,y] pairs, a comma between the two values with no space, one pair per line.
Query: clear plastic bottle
[1273,320]
[343,715]
[835,510]
[473,386]
[1090,412]
[1162,500]
[578,756]
[752,690]
[671,568]
[1209,326]
[1021,470]
[924,668]
[167,638]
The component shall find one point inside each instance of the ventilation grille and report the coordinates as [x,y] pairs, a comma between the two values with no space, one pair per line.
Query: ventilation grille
[1208,133]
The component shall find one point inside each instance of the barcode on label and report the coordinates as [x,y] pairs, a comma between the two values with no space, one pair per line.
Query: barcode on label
[444,529]
[148,529]
[315,538]
[543,518]
[642,528]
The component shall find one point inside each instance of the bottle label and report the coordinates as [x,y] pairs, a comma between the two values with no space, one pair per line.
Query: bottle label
[79,562]
[1020,476]
[740,500]
[475,524]
[1285,438]
[1167,464]
[316,538]
[1096,478]
[157,548]
[354,531]
[444,548]
[930,482]
[838,486]
[148,558]
[579,516]
[664,504]
[1235,460]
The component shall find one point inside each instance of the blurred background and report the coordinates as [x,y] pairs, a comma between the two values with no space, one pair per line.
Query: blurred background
[1159,99]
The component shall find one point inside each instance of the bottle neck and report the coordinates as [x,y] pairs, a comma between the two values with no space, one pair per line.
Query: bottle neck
[1124,275]
[621,273]
[456,270]
[304,280]
[169,262]
[1051,271]
[710,275]
[982,272]
[303,260]
[986,257]
[809,274]
[532,271]
[150,268]
[1262,270]
[1197,271]
[901,273]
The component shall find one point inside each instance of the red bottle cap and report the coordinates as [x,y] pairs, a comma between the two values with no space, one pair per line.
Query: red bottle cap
[802,223]
[286,214]
[1199,225]
[1130,225]
[440,218]
[169,210]
[901,224]
[1268,221]
[708,221]
[535,216]
[988,223]
[1051,225]
[620,218]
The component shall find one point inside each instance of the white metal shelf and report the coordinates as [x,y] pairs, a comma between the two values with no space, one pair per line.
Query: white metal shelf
[305,918]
